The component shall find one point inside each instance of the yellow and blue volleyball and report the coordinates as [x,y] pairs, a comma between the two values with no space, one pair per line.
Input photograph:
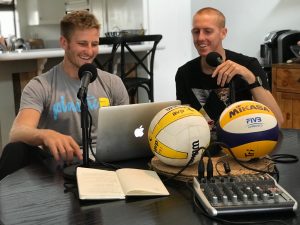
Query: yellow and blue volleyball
[175,132]
[249,128]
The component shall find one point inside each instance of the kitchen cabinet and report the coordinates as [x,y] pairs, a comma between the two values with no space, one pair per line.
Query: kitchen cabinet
[43,12]
[73,5]
[286,90]
[119,15]
[41,18]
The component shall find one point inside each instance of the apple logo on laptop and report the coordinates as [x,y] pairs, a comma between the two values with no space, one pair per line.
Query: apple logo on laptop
[139,132]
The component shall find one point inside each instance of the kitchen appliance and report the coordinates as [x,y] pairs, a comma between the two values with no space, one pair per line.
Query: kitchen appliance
[285,41]
[269,49]
[15,44]
[276,47]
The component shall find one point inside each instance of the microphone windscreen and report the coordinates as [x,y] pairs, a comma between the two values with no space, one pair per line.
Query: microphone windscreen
[88,68]
[214,59]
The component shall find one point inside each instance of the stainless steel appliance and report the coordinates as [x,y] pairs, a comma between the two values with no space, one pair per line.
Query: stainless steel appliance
[269,49]
[276,49]
[276,46]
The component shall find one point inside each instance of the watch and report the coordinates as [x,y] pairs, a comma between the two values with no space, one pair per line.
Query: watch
[257,83]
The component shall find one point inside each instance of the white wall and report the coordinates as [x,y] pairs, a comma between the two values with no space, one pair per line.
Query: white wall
[172,19]
[249,21]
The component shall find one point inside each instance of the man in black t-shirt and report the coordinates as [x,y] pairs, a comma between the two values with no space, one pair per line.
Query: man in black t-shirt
[207,88]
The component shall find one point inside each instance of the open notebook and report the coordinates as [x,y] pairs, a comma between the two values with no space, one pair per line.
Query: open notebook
[123,130]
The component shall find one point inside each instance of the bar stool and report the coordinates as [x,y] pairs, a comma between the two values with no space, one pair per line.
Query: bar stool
[144,78]
[142,59]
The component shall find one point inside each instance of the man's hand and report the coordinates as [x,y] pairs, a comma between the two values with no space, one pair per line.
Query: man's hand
[25,129]
[61,146]
[228,69]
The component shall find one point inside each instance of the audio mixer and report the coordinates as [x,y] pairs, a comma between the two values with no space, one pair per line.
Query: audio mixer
[248,193]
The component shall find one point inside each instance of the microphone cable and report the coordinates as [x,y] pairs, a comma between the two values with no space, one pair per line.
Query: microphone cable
[95,163]
[242,163]
[284,158]
[232,91]
[195,152]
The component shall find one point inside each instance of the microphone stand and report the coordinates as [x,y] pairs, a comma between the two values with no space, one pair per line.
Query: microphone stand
[70,172]
[232,92]
[84,127]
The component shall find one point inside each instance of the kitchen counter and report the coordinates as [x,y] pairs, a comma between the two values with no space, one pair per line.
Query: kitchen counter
[32,54]
[58,52]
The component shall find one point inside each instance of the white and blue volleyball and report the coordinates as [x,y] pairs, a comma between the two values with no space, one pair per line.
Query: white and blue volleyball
[249,128]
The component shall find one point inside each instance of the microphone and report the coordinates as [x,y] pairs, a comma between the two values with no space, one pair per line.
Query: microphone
[214,59]
[87,74]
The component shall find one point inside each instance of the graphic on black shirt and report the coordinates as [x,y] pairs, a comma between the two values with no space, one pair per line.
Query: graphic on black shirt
[213,103]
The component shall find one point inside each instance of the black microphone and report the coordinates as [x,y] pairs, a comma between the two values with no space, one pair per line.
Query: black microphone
[214,59]
[87,74]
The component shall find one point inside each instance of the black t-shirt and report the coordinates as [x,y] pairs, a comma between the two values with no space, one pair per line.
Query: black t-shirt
[201,91]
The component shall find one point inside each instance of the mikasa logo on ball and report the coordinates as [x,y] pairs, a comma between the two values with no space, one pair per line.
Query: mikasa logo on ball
[240,109]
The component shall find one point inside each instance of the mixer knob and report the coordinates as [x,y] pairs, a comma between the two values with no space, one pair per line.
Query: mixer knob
[245,198]
[214,200]
[225,200]
[234,199]
[276,197]
[254,196]
[265,197]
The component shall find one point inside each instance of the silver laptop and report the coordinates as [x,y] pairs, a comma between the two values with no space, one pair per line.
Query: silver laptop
[123,130]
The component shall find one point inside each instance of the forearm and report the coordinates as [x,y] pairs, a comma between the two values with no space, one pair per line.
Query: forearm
[26,134]
[61,146]
[265,97]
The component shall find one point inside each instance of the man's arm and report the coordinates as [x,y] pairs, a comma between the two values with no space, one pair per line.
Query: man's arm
[265,97]
[25,129]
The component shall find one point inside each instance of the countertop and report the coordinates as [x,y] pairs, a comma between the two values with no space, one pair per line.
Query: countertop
[58,52]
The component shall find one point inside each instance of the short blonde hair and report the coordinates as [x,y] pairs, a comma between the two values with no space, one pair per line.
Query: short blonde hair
[77,20]
[210,10]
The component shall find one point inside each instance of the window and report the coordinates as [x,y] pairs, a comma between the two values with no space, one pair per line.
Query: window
[7,15]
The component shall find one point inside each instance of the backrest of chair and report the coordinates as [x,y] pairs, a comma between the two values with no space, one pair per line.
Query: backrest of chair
[128,41]
[125,43]
[108,62]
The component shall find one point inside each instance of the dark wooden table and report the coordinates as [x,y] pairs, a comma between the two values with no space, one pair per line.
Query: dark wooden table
[35,195]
